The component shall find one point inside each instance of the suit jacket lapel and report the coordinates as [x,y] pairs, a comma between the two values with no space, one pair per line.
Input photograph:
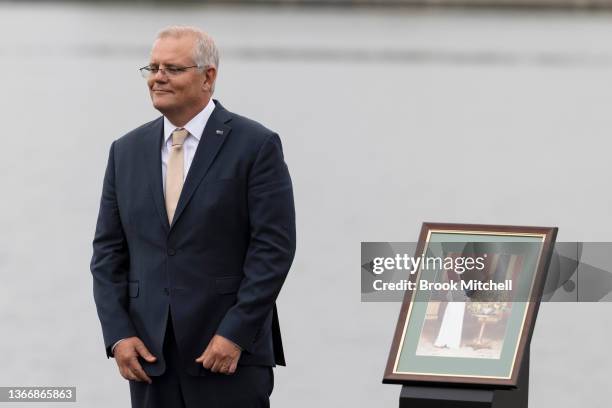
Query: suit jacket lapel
[153,168]
[215,133]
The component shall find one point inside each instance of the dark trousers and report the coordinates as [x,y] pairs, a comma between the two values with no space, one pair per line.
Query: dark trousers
[248,387]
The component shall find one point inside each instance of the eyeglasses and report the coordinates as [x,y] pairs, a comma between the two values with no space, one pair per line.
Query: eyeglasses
[170,70]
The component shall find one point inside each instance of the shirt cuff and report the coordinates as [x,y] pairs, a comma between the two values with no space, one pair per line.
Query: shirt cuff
[115,345]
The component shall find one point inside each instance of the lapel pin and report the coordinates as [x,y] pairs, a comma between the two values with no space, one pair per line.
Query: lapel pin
[219,132]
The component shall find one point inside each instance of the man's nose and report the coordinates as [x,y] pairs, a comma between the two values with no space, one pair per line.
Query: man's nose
[160,76]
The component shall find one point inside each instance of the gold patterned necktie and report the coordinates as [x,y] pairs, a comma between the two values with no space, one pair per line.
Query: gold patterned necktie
[175,171]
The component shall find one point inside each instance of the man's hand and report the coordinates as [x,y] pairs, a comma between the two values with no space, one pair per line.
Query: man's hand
[126,355]
[221,355]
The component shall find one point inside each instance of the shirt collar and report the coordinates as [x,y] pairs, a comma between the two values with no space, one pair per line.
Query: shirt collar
[195,126]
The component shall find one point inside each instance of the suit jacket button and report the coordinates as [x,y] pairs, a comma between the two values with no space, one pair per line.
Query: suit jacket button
[171,251]
[167,291]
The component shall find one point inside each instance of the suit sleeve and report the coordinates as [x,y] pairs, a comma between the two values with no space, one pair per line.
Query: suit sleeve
[109,265]
[271,247]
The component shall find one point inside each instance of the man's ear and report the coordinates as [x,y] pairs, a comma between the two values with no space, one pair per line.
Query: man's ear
[211,76]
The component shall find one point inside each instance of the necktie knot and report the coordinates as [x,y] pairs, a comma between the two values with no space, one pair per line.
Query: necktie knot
[179,136]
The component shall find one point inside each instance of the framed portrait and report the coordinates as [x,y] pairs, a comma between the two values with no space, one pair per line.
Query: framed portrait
[470,314]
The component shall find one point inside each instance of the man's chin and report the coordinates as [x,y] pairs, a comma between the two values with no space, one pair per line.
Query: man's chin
[162,106]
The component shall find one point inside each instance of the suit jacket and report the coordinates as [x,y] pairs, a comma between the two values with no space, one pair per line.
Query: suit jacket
[219,267]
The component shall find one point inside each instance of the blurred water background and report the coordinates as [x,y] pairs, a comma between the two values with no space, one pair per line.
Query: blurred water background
[389,117]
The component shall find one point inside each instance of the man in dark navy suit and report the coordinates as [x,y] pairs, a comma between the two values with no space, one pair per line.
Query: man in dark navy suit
[194,238]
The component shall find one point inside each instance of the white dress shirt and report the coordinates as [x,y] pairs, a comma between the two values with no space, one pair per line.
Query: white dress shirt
[195,127]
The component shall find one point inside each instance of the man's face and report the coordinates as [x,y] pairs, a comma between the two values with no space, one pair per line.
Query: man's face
[179,93]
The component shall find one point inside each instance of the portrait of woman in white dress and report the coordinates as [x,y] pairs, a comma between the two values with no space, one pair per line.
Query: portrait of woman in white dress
[464,323]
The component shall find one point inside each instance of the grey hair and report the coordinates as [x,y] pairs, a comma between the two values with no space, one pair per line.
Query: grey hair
[205,53]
